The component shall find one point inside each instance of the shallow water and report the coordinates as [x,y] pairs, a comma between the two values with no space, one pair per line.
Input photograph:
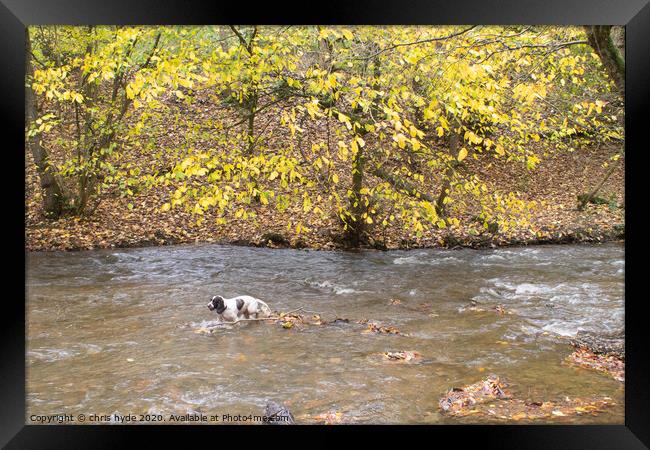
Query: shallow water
[114,331]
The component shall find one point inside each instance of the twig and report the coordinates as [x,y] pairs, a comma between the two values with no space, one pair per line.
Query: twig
[267,318]
[423,41]
[259,318]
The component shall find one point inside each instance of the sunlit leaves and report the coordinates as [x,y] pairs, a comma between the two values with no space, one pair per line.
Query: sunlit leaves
[328,103]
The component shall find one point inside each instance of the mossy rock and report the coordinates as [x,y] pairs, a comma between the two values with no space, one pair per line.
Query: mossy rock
[299,243]
[275,238]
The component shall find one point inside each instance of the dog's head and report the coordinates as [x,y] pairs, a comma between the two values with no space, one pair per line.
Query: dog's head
[217,304]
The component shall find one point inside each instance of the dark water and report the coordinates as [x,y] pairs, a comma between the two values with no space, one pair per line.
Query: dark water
[115,331]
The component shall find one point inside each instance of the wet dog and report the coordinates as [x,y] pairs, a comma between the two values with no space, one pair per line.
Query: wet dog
[241,307]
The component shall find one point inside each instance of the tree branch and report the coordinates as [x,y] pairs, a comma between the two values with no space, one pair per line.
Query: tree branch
[423,41]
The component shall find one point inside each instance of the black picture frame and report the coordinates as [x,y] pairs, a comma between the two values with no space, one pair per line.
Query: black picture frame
[16,14]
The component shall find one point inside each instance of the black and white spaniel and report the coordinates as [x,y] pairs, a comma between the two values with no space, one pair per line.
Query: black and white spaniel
[240,307]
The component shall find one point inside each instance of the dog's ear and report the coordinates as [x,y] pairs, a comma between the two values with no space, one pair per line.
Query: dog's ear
[240,304]
[219,304]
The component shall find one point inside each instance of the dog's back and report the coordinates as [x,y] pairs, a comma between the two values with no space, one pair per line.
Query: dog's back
[256,307]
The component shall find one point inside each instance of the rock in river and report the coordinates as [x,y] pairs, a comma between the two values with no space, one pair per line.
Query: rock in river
[278,414]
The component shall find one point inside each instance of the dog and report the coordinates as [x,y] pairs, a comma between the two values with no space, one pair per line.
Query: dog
[243,306]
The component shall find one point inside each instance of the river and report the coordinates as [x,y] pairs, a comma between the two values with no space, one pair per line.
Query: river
[115,331]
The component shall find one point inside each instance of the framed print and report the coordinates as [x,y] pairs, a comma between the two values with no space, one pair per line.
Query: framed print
[387,216]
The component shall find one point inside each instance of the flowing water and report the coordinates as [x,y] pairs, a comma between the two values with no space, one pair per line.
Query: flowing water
[114,331]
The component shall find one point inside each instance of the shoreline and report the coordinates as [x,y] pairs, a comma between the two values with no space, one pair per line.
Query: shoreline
[458,244]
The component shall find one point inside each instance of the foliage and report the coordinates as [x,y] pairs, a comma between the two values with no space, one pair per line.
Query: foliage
[377,125]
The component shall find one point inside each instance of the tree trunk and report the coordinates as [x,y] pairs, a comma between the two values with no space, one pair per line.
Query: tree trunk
[358,206]
[446,180]
[357,201]
[600,39]
[252,111]
[52,194]
[324,53]
[252,97]
[584,199]
[223,36]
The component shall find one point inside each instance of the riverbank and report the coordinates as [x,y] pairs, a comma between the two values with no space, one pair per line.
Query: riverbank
[71,234]
[554,186]
[44,237]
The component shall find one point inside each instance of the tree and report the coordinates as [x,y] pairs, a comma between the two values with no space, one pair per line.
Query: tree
[601,40]
[52,194]
[90,93]
[371,126]
[408,113]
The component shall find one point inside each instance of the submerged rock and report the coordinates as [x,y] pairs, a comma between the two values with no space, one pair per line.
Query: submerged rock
[459,400]
[601,343]
[402,356]
[606,363]
[278,414]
